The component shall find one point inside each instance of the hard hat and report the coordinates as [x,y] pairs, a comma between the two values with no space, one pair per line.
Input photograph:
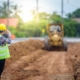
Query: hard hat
[3,27]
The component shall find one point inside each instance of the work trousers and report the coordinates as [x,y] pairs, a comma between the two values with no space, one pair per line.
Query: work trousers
[2,64]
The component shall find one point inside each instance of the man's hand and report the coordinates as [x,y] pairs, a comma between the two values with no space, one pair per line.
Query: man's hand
[6,32]
[6,35]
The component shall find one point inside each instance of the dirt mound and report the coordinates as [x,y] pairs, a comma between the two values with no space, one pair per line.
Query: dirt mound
[23,48]
[73,57]
[29,62]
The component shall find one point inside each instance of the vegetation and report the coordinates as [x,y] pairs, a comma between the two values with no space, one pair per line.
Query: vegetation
[38,29]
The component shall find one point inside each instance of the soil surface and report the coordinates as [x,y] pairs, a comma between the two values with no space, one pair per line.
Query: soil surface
[30,62]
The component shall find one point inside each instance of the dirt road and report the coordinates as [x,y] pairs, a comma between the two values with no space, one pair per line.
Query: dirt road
[30,62]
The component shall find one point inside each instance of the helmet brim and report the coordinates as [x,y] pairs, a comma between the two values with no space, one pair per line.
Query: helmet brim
[2,31]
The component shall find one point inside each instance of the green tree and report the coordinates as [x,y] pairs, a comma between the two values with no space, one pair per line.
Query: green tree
[16,10]
[69,15]
[3,10]
[70,28]
[75,14]
[78,29]
[55,18]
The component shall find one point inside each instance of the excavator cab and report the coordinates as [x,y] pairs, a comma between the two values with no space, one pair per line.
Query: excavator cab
[54,28]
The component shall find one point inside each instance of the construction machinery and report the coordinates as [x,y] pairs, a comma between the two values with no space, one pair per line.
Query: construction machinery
[55,39]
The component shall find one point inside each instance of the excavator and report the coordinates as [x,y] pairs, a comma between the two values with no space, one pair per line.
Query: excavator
[55,39]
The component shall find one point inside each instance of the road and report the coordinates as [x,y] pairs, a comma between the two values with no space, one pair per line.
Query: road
[23,39]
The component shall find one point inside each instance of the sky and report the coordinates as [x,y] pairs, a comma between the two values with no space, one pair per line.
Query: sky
[48,6]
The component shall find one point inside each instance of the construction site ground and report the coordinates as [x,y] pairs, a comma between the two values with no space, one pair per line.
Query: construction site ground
[30,62]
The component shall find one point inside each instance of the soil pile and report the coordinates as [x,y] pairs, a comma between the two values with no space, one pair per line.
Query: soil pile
[74,55]
[23,48]
[30,62]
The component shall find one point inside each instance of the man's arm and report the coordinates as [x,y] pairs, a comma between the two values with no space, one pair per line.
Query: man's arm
[6,38]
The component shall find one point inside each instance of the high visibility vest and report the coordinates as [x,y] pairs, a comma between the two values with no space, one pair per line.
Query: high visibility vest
[4,52]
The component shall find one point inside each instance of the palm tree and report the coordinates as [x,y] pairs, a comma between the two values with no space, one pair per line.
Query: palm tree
[16,10]
[3,10]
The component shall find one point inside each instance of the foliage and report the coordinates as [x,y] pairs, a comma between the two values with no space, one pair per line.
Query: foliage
[75,14]
[16,10]
[37,27]
[69,28]
[4,10]
[13,11]
[33,28]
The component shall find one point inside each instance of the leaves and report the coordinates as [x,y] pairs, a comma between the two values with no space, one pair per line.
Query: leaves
[34,27]
[13,11]
[75,14]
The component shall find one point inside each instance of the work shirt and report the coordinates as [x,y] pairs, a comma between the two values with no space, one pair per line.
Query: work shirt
[4,40]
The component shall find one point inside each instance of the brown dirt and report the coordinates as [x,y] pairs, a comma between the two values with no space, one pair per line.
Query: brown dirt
[29,62]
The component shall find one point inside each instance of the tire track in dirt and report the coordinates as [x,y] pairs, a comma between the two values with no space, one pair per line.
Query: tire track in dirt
[50,64]
[53,61]
[40,64]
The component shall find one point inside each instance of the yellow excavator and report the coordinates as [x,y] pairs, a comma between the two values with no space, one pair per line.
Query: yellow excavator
[55,39]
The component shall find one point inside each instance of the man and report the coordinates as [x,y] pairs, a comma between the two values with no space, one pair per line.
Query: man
[4,51]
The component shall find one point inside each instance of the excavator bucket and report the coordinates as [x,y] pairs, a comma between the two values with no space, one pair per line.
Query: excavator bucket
[48,47]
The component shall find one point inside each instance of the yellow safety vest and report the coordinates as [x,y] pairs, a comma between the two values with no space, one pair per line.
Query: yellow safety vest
[4,52]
